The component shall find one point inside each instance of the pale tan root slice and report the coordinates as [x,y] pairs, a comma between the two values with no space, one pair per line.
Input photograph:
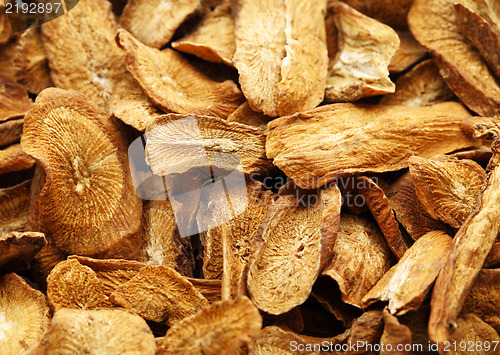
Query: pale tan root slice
[14,99]
[360,258]
[304,67]
[409,53]
[17,250]
[160,294]
[24,315]
[421,86]
[291,248]
[395,335]
[154,22]
[213,39]
[97,64]
[87,202]
[447,188]
[406,284]
[260,48]
[31,63]
[391,12]
[244,114]
[219,329]
[321,145]
[210,289]
[434,24]
[174,84]
[11,131]
[14,207]
[105,331]
[359,68]
[366,329]
[13,158]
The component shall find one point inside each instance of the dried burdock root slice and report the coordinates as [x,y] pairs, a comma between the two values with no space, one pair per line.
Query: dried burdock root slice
[154,22]
[213,39]
[175,141]
[97,64]
[174,84]
[392,13]
[8,51]
[244,114]
[409,53]
[13,158]
[493,258]
[318,146]
[14,207]
[395,334]
[366,329]
[17,250]
[219,329]
[421,86]
[104,331]
[31,63]
[24,315]
[435,26]
[210,289]
[290,249]
[87,202]
[447,188]
[406,284]
[14,99]
[160,294]
[5,30]
[360,258]
[11,131]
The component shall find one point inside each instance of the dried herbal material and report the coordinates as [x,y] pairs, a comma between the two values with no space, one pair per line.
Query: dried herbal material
[14,207]
[366,329]
[5,30]
[392,13]
[409,53]
[24,316]
[87,202]
[213,39]
[105,331]
[360,258]
[11,131]
[160,294]
[421,86]
[97,64]
[244,114]
[31,63]
[434,24]
[13,158]
[14,99]
[73,285]
[332,141]
[470,329]
[154,22]
[493,258]
[365,47]
[480,155]
[8,51]
[417,322]
[17,250]
[210,289]
[395,334]
[219,329]
[174,84]
[290,249]
[448,188]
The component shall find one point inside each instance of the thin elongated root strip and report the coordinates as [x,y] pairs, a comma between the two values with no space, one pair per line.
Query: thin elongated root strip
[17,250]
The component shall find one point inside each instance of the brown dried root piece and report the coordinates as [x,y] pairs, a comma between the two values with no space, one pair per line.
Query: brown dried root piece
[96,64]
[5,30]
[160,294]
[391,12]
[210,289]
[406,284]
[447,188]
[87,202]
[318,146]
[395,334]
[174,84]
[13,158]
[8,51]
[73,285]
[409,53]
[360,65]
[14,99]
[14,207]
[434,24]
[366,329]
[360,258]
[213,39]
[421,86]
[11,131]
[493,258]
[31,63]
[105,331]
[24,316]
[219,329]
[244,114]
[154,22]
[291,247]
[17,250]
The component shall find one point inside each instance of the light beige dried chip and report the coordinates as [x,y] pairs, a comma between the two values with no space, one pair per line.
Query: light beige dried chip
[434,24]
[406,284]
[447,188]
[154,22]
[160,294]
[11,131]
[87,202]
[395,336]
[13,158]
[409,53]
[318,146]
[244,114]
[219,329]
[24,316]
[105,331]
[359,68]
[366,329]
[14,207]
[174,84]
[391,12]
[17,249]
[87,34]
[360,258]
[14,99]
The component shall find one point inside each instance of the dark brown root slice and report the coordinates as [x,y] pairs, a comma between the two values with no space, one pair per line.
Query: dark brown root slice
[395,335]
[14,99]
[14,207]
[17,250]
[13,158]
[366,329]
[409,53]
[11,131]
[8,51]
[493,258]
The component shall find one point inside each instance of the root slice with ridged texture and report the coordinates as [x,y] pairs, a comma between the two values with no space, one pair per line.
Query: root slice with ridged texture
[174,84]
[87,202]
[291,248]
[105,331]
[14,99]
[14,207]
[17,250]
[219,329]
